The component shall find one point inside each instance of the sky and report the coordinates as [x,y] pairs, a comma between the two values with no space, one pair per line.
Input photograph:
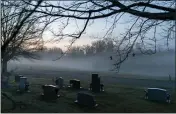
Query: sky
[97,29]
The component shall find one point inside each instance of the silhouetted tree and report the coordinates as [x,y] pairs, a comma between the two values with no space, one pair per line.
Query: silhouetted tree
[99,46]
[89,50]
[109,46]
[21,32]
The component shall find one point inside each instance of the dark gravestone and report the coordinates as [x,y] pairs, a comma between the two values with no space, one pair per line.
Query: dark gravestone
[157,94]
[4,81]
[86,99]
[95,85]
[50,92]
[71,82]
[17,78]
[74,83]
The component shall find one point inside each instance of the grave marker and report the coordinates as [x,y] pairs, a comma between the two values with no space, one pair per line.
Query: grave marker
[157,94]
[17,78]
[50,92]
[4,81]
[23,84]
[86,99]
[95,86]
[74,83]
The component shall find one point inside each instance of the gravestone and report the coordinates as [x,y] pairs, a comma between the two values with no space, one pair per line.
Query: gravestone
[72,81]
[157,94]
[4,81]
[23,85]
[59,82]
[95,86]
[86,99]
[75,84]
[17,78]
[50,92]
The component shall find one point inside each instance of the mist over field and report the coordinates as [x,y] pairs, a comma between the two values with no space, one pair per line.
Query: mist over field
[159,65]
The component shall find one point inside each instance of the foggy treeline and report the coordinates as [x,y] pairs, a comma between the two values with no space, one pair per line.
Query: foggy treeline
[96,47]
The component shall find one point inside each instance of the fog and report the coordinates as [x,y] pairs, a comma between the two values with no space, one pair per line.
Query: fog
[160,64]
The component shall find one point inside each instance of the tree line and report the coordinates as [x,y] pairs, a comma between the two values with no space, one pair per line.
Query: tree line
[98,46]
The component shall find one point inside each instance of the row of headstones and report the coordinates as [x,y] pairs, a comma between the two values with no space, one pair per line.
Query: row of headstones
[95,85]
[84,98]
[50,92]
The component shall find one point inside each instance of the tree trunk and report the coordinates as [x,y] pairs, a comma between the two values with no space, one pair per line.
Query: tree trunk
[4,76]
[4,67]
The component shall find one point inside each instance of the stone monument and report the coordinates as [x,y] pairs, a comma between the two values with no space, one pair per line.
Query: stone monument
[96,86]
[86,99]
[50,92]
[23,84]
[17,78]
[157,94]
[75,84]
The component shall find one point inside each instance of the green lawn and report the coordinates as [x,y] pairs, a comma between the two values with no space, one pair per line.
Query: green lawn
[116,98]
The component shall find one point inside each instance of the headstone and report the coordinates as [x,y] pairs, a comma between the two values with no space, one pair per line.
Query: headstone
[22,84]
[74,83]
[86,99]
[95,85]
[17,78]
[4,82]
[157,94]
[59,82]
[50,92]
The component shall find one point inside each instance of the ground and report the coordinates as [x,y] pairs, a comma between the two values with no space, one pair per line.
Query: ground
[116,98]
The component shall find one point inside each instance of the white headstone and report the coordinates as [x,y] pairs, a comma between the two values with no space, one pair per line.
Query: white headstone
[22,83]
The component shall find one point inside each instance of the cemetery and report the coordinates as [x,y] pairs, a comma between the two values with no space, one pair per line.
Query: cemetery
[105,56]
[74,95]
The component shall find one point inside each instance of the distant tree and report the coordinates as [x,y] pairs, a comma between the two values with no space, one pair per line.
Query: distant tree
[99,46]
[88,49]
[55,50]
[45,48]
[75,51]
[109,46]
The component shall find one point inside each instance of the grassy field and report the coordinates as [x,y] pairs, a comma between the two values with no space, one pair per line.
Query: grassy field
[116,98]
